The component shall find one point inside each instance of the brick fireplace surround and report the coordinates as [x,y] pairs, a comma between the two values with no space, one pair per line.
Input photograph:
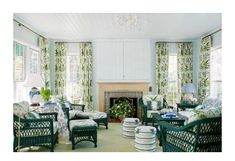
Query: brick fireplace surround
[120,89]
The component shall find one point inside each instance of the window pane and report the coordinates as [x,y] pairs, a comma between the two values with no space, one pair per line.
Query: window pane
[172,80]
[34,61]
[216,72]
[73,90]
[18,60]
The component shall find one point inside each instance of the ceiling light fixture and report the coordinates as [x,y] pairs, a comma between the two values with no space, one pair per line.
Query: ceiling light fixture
[129,22]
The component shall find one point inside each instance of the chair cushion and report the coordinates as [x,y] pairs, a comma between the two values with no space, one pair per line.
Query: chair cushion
[75,113]
[82,123]
[95,115]
[20,109]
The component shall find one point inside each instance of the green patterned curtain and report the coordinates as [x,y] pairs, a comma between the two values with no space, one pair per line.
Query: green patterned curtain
[60,69]
[162,59]
[204,71]
[44,61]
[85,74]
[184,65]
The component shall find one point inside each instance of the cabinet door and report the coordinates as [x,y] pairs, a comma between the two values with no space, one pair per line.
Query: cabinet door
[137,60]
[109,60]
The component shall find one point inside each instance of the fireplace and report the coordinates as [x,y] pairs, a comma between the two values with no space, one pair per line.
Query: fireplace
[109,90]
[111,96]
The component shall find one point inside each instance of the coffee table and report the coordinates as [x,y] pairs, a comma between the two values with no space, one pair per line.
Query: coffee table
[177,121]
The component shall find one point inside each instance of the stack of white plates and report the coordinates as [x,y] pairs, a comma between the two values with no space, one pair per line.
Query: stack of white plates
[145,138]
[129,125]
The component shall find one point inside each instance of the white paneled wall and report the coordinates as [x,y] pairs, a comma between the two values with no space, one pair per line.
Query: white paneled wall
[137,60]
[123,60]
[109,56]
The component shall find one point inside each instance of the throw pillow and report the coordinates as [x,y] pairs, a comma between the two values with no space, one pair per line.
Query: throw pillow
[32,115]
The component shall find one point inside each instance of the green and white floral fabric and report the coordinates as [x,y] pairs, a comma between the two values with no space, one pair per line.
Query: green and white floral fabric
[20,109]
[184,64]
[204,71]
[85,73]
[60,69]
[211,107]
[162,58]
[82,123]
[44,61]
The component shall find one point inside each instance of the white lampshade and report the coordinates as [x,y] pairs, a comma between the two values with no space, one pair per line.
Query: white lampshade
[189,88]
[33,80]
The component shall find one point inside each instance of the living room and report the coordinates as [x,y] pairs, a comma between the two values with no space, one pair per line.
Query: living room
[98,62]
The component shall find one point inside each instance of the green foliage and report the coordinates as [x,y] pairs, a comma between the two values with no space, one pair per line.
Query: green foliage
[122,109]
[45,93]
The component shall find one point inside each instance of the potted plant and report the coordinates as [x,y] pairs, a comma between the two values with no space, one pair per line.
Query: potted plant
[123,108]
[45,93]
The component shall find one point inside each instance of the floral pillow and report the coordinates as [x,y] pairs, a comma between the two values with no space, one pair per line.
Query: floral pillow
[153,102]
[20,109]
[204,113]
[209,102]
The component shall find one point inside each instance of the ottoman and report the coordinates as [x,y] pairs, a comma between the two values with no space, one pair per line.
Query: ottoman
[129,125]
[82,130]
[145,138]
[101,118]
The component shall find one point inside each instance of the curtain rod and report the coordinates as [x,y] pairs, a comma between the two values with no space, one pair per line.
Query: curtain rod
[212,33]
[20,24]
[171,42]
[73,42]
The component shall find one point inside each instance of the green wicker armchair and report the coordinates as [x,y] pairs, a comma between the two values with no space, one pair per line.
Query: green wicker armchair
[35,132]
[199,136]
[145,118]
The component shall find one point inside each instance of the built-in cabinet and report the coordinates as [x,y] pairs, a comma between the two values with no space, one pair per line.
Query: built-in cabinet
[123,60]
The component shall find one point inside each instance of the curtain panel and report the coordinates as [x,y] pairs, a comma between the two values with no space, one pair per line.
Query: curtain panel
[204,71]
[162,54]
[44,61]
[184,65]
[60,69]
[85,74]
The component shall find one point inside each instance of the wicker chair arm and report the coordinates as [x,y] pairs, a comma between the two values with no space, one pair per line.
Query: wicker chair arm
[51,115]
[66,112]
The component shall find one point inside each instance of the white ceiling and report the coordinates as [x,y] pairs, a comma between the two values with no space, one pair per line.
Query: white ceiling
[159,26]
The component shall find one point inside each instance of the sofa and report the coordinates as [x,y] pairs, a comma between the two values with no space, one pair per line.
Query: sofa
[210,107]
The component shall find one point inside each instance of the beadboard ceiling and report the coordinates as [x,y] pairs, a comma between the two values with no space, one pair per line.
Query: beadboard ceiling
[88,26]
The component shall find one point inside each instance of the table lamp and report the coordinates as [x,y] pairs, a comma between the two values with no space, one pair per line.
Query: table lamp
[34,80]
[188,90]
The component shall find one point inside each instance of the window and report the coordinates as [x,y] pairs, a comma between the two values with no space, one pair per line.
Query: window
[34,61]
[73,89]
[19,69]
[172,95]
[216,72]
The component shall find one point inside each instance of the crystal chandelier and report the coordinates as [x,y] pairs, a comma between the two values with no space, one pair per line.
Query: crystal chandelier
[129,22]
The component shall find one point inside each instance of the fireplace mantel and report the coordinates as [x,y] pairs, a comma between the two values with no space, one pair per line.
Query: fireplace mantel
[120,86]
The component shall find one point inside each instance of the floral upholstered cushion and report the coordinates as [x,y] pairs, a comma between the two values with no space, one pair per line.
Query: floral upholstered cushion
[32,115]
[75,113]
[96,115]
[82,123]
[20,109]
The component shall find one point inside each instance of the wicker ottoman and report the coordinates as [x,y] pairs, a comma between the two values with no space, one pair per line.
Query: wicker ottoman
[129,125]
[83,130]
[145,138]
